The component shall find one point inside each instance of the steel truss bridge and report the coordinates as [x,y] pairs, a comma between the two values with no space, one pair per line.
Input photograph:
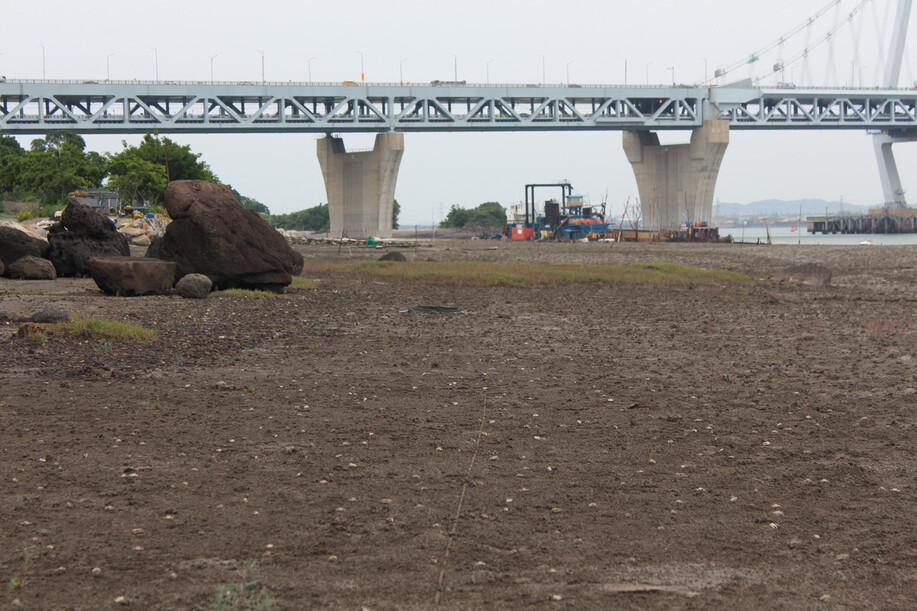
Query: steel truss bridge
[122,107]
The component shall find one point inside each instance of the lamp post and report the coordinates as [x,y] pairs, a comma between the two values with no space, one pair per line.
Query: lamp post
[212,57]
[42,62]
[156,60]
[672,69]
[362,73]
[625,70]
[108,67]
[487,67]
[454,66]
[401,70]
[309,63]
[262,65]
[568,73]
[542,70]
[648,72]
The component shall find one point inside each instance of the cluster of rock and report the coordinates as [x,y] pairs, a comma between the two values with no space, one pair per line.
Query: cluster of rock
[142,231]
[212,242]
[24,254]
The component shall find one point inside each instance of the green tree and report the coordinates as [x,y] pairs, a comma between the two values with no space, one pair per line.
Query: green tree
[179,161]
[250,202]
[396,210]
[143,171]
[57,165]
[310,219]
[137,179]
[488,214]
[10,154]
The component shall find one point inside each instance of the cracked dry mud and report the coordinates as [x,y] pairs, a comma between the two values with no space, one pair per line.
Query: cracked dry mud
[585,446]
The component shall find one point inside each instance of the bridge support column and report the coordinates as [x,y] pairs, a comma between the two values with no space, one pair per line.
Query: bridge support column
[676,182]
[361,186]
[888,169]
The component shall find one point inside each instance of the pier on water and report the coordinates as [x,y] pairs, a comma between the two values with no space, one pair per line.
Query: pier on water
[879,220]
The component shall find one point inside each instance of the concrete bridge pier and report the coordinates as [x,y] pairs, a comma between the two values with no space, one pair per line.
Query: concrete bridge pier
[888,169]
[676,182]
[361,186]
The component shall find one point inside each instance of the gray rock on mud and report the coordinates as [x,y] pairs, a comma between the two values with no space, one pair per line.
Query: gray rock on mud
[212,234]
[32,268]
[15,244]
[393,256]
[194,286]
[82,234]
[132,276]
[815,275]
[49,316]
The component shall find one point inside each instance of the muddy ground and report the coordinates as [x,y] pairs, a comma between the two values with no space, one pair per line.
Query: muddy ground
[727,446]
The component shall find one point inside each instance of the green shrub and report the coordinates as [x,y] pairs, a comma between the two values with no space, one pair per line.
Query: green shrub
[24,215]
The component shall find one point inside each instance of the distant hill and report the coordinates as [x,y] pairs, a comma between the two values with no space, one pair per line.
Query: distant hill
[783,207]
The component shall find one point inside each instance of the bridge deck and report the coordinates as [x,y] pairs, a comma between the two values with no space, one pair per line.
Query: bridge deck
[31,107]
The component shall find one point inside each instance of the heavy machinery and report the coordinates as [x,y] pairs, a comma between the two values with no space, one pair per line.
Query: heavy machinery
[569,219]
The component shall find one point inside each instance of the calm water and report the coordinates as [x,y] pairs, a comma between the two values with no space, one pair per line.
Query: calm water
[785,234]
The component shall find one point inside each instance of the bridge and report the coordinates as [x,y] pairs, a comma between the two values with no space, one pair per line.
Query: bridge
[676,182]
[126,107]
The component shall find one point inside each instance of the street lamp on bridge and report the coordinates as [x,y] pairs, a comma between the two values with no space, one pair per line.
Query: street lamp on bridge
[648,72]
[542,70]
[309,63]
[568,73]
[362,73]
[156,60]
[212,57]
[401,70]
[262,65]
[42,62]
[487,67]
[455,66]
[108,67]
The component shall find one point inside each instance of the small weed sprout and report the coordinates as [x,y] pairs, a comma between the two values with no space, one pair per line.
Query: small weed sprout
[246,592]
[20,581]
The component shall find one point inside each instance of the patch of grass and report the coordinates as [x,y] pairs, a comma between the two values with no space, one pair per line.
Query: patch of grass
[90,328]
[461,273]
[247,293]
[299,282]
[246,592]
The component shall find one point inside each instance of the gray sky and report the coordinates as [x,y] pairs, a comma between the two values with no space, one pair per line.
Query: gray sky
[438,170]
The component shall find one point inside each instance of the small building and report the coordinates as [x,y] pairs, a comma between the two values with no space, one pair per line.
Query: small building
[107,202]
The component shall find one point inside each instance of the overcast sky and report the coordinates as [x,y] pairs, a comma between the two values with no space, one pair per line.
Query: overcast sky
[656,39]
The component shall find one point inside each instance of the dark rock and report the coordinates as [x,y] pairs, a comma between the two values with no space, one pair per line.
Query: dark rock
[212,234]
[2,268]
[393,256]
[32,268]
[131,276]
[807,274]
[194,286]
[49,316]
[152,250]
[15,244]
[82,234]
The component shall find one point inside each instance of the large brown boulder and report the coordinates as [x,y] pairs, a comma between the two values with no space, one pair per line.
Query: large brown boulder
[132,276]
[212,234]
[82,234]
[31,268]
[15,244]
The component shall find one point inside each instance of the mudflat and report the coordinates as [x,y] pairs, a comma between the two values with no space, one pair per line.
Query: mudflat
[574,445]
